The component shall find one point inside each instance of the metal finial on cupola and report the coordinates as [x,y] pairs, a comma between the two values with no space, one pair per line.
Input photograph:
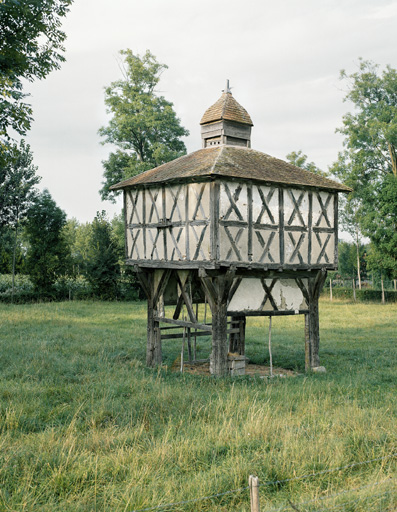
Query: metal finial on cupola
[227,88]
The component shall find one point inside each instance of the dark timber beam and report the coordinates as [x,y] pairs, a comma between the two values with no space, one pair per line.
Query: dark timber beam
[312,325]
[153,293]
[217,290]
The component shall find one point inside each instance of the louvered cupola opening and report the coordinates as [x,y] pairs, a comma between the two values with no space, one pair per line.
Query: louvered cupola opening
[226,122]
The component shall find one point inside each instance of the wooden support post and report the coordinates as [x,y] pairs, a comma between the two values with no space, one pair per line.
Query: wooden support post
[308,346]
[270,347]
[312,326]
[254,493]
[153,347]
[189,343]
[218,359]
[153,292]
[237,339]
[195,336]
[217,290]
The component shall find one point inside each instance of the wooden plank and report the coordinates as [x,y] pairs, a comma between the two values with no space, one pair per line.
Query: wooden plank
[250,229]
[281,222]
[180,334]
[162,285]
[249,312]
[186,298]
[336,229]
[187,234]
[214,212]
[163,194]
[182,323]
[309,227]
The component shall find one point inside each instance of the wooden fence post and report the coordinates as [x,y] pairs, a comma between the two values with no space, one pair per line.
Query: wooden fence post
[254,493]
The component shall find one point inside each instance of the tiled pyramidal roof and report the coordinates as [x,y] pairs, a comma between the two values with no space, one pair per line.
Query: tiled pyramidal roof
[231,162]
[226,108]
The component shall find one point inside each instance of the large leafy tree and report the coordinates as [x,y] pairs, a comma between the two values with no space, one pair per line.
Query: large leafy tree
[102,267]
[144,127]
[18,182]
[30,47]
[17,185]
[299,159]
[368,163]
[47,256]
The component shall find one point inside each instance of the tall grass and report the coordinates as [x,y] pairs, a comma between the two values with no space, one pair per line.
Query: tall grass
[85,426]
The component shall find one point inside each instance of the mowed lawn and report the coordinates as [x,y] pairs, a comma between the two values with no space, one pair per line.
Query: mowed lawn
[85,426]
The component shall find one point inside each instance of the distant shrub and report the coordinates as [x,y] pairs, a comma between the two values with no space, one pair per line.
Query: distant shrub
[376,295]
[64,288]
[340,293]
[363,295]
[77,288]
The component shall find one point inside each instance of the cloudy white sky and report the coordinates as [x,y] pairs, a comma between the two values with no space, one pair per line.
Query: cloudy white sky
[283,60]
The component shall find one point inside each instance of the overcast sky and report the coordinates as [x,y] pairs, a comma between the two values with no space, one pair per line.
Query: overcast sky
[282,59]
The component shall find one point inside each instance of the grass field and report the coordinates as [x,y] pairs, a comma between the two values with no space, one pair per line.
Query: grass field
[85,426]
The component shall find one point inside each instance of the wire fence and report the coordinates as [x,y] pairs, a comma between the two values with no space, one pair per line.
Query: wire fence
[289,504]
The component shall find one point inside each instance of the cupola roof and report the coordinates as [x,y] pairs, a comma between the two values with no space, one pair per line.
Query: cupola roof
[227,109]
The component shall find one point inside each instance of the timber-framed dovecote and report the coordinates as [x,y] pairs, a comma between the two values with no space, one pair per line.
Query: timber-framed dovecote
[246,232]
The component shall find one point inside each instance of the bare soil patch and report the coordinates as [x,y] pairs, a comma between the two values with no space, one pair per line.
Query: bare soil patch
[203,368]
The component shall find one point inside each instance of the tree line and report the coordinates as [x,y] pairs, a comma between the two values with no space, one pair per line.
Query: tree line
[144,132]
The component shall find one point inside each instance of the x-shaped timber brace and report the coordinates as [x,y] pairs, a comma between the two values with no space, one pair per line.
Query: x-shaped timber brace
[217,288]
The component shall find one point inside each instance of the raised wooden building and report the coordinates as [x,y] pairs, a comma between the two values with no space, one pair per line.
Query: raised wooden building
[252,234]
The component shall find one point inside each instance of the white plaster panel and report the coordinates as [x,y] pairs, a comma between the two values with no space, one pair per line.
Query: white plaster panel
[135,246]
[154,244]
[240,237]
[176,243]
[293,216]
[261,241]
[318,254]
[259,213]
[286,295]
[238,192]
[291,240]
[204,252]
[249,296]
[203,210]
[320,220]
[134,214]
[154,205]
[175,203]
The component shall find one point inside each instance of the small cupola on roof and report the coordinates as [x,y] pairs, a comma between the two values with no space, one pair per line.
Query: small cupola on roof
[226,122]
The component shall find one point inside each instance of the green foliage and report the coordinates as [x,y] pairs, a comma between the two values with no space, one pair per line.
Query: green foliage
[144,127]
[102,267]
[363,295]
[347,260]
[30,47]
[77,237]
[368,163]
[8,243]
[17,185]
[85,426]
[17,290]
[300,160]
[48,253]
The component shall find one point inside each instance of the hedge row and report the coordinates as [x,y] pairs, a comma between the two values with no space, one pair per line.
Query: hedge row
[364,295]
[63,289]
